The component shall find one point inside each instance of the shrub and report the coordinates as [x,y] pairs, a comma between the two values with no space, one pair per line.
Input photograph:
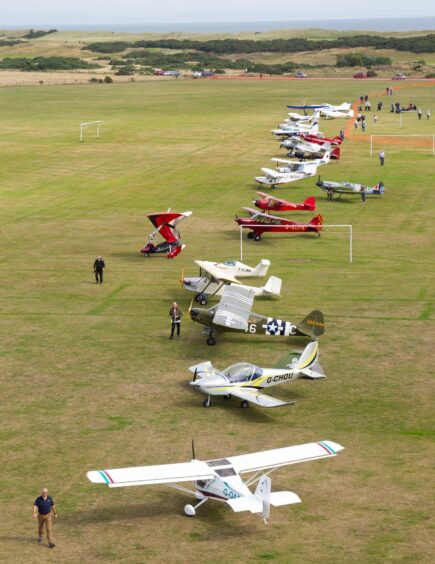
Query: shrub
[108,79]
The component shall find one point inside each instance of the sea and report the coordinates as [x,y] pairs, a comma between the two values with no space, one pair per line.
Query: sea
[369,24]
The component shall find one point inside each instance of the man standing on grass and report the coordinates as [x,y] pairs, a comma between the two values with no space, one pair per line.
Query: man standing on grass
[382,157]
[99,266]
[43,508]
[175,315]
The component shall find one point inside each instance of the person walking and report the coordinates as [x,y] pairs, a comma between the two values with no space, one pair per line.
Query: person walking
[175,315]
[99,266]
[43,510]
[363,125]
[342,134]
[375,118]
[382,157]
[363,194]
[428,114]
[419,113]
[329,194]
[355,124]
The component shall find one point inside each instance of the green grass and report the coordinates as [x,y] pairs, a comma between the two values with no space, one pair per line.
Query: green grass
[89,379]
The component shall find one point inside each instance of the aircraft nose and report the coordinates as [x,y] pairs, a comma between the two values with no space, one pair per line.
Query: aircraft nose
[194,313]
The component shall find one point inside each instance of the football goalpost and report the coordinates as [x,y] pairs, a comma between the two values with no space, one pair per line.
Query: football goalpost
[413,142]
[347,227]
[85,124]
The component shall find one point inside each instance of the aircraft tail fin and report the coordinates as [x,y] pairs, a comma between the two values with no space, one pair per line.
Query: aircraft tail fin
[317,222]
[261,269]
[310,203]
[313,325]
[308,362]
[380,188]
[335,153]
[263,492]
[273,286]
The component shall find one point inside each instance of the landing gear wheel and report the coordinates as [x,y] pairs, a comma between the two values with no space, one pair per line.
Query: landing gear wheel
[257,237]
[244,404]
[250,235]
[189,510]
[206,402]
[211,341]
[202,299]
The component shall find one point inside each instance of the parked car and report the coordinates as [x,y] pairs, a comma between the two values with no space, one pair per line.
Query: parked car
[301,74]
[360,75]
[399,76]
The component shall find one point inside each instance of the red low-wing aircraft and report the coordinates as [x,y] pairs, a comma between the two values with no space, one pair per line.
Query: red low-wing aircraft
[260,223]
[270,203]
[165,223]
[321,140]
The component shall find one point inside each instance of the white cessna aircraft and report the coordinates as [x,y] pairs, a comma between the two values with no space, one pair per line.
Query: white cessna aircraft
[289,129]
[298,166]
[331,114]
[247,381]
[220,479]
[214,278]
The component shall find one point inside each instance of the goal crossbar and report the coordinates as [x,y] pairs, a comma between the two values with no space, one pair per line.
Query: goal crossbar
[430,135]
[85,124]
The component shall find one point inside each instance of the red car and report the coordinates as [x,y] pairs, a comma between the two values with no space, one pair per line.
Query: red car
[360,75]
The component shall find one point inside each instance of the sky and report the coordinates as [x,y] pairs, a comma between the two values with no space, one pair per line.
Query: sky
[34,12]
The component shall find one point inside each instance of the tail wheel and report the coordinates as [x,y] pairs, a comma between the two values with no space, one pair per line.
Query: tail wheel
[244,404]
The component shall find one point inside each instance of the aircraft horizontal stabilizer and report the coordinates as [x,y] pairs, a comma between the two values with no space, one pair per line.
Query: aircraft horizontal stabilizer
[284,498]
[257,397]
[252,504]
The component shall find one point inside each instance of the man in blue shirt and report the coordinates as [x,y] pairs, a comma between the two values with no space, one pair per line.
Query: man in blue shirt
[43,508]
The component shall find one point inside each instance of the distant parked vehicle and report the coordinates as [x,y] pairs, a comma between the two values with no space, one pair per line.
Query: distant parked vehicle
[301,74]
[399,77]
[360,75]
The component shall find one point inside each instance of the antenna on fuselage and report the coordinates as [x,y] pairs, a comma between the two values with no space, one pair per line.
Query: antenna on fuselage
[193,450]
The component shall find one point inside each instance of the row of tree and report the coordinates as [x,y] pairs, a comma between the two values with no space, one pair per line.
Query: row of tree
[417,44]
[45,63]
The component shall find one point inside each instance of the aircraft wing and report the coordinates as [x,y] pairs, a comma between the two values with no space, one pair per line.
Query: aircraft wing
[257,397]
[147,475]
[272,173]
[166,222]
[234,308]
[283,456]
[271,198]
[216,272]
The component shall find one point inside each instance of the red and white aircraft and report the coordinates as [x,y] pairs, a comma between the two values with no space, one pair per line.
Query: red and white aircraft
[260,223]
[165,223]
[270,203]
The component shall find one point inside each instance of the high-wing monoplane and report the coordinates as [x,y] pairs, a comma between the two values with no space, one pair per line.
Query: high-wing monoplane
[302,149]
[165,224]
[344,107]
[213,279]
[270,203]
[260,223]
[291,171]
[321,139]
[220,479]
[328,113]
[289,129]
[342,188]
[233,313]
[247,381]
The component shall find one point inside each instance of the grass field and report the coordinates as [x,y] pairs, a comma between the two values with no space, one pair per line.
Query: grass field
[89,379]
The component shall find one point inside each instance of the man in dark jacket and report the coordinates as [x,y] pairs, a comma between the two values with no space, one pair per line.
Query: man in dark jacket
[43,509]
[99,266]
[175,315]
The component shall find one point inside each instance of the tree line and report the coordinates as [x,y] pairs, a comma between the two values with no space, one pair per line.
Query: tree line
[417,44]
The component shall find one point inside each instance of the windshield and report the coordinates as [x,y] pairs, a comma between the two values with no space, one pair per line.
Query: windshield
[242,372]
[230,262]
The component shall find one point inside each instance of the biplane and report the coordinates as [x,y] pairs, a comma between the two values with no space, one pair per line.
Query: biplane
[165,224]
[270,203]
[342,188]
[220,479]
[260,223]
[233,313]
[247,381]
[213,279]
[299,148]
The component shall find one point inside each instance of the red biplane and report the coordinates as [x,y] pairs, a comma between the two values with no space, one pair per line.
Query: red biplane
[320,139]
[165,224]
[261,223]
[270,203]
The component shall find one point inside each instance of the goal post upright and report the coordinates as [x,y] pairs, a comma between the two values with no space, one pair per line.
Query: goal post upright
[85,124]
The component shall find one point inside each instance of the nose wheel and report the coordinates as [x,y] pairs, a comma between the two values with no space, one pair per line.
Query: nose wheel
[207,402]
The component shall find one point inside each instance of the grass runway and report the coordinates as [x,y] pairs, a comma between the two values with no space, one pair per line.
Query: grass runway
[89,379]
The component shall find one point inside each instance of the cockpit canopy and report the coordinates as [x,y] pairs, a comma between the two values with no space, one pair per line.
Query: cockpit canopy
[243,372]
[230,262]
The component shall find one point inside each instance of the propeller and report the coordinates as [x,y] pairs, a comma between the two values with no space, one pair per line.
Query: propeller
[195,374]
[193,450]
[190,307]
